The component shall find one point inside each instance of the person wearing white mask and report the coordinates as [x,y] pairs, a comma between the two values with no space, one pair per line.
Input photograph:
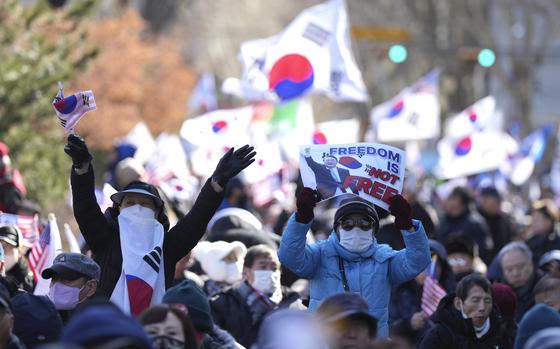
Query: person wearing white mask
[351,260]
[74,279]
[241,309]
[132,241]
[222,262]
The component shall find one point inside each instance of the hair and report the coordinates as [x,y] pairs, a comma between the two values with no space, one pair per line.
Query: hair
[468,282]
[255,252]
[463,194]
[515,246]
[329,156]
[547,284]
[158,313]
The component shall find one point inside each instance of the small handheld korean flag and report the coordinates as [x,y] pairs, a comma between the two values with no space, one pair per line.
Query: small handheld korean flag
[71,109]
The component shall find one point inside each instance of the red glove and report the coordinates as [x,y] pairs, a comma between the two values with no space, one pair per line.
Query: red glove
[305,203]
[400,208]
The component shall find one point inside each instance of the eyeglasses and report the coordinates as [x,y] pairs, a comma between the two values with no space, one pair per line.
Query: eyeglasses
[362,223]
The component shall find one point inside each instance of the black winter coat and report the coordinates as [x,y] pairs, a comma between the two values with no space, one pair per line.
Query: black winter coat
[101,231]
[231,313]
[451,331]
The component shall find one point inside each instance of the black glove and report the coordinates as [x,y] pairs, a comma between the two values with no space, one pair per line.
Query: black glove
[232,163]
[305,203]
[77,149]
[400,208]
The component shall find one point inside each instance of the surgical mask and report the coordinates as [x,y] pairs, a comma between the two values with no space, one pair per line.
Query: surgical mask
[224,272]
[266,281]
[138,211]
[234,272]
[167,342]
[64,297]
[356,240]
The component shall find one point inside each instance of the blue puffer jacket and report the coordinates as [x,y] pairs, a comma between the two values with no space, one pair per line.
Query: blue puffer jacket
[371,273]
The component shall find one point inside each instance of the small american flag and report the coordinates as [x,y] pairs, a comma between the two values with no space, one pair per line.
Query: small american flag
[28,225]
[432,292]
[37,257]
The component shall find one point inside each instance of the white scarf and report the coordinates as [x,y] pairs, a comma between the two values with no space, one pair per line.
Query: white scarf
[479,331]
[142,279]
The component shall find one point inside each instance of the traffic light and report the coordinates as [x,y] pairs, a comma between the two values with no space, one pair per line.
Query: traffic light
[486,58]
[397,53]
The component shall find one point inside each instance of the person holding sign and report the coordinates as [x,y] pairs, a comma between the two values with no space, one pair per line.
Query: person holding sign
[351,260]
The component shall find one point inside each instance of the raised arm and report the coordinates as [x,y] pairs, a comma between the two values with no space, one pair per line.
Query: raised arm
[190,229]
[294,253]
[93,225]
[412,260]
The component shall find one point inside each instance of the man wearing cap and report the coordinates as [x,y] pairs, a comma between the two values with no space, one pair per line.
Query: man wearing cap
[74,278]
[132,241]
[17,270]
[347,321]
[351,260]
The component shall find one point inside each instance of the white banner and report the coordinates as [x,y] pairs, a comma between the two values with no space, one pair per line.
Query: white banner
[373,171]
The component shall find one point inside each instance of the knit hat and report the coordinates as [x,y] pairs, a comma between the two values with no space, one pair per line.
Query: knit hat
[459,244]
[196,301]
[506,300]
[103,323]
[36,319]
[539,317]
[357,205]
[548,338]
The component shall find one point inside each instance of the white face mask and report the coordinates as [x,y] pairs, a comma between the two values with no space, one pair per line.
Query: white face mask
[224,272]
[138,211]
[356,240]
[266,281]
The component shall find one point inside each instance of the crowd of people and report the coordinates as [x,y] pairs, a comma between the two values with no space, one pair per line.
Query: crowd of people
[218,272]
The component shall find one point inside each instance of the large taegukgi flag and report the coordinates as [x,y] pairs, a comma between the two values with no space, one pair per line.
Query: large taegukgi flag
[373,171]
[311,55]
[413,114]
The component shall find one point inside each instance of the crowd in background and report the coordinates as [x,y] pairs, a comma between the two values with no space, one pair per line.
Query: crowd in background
[500,273]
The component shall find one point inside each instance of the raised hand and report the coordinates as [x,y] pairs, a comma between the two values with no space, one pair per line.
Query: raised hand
[232,163]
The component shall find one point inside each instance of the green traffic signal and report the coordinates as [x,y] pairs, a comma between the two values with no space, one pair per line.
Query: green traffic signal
[486,58]
[397,53]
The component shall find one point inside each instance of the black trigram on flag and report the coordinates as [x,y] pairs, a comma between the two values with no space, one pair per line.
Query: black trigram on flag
[154,258]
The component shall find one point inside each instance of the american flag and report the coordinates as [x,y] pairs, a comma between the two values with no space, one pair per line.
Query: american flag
[28,225]
[432,292]
[37,256]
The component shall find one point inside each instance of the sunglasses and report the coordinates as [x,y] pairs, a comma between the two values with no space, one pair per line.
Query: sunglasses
[362,223]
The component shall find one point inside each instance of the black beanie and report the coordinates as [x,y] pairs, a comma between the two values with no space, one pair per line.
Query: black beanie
[357,205]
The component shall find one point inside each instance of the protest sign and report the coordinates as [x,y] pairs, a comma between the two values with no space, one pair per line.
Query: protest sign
[371,170]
